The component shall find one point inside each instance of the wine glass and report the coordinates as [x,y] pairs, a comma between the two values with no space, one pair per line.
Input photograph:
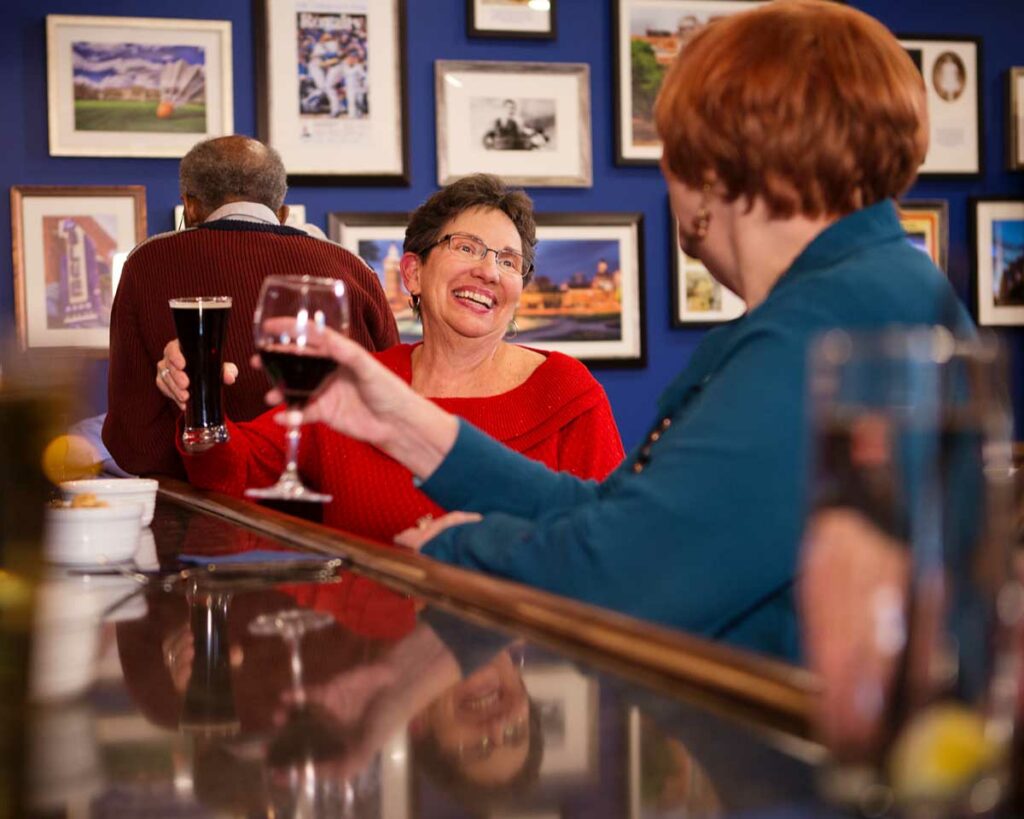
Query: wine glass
[293,317]
[910,610]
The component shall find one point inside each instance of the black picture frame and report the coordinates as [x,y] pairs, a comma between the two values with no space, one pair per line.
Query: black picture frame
[511,23]
[724,306]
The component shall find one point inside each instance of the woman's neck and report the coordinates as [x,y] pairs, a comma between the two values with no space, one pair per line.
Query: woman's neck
[469,367]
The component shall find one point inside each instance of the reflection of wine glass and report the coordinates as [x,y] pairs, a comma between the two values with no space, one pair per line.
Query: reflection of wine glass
[907,559]
[292,319]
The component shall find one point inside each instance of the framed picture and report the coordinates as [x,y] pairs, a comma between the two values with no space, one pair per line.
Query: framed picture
[952,79]
[998,234]
[69,243]
[526,122]
[927,225]
[136,86]
[331,89]
[521,19]
[296,216]
[1015,119]
[648,35]
[567,703]
[698,299]
[585,298]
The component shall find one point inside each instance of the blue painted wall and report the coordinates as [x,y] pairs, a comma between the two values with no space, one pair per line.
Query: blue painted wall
[437,29]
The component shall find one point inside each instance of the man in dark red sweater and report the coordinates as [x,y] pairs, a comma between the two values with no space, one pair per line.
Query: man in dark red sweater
[233,190]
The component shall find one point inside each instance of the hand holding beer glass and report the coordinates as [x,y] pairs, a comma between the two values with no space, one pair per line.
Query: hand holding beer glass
[293,317]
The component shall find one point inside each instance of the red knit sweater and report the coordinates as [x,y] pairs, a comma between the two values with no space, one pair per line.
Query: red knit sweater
[559,416]
[223,258]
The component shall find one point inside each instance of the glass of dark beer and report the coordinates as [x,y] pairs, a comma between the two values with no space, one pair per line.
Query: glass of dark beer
[294,316]
[201,324]
[910,611]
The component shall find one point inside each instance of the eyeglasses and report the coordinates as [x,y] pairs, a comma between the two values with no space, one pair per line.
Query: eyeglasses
[511,735]
[469,247]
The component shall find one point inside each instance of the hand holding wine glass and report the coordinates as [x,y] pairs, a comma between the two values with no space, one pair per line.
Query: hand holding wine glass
[293,317]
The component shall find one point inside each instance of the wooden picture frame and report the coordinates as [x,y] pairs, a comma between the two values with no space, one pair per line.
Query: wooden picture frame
[325,132]
[597,318]
[926,222]
[136,86]
[647,35]
[1015,119]
[951,67]
[997,239]
[68,245]
[526,122]
[511,19]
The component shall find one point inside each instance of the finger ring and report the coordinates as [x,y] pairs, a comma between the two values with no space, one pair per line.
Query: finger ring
[164,372]
[424,522]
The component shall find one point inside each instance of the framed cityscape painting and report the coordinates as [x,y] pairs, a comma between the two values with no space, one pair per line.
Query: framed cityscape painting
[998,233]
[69,244]
[136,86]
[529,123]
[331,89]
[585,298]
[927,225]
[1015,119]
[648,36]
[519,19]
[952,79]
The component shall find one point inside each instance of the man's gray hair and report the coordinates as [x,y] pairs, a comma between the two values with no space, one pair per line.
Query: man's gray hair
[235,168]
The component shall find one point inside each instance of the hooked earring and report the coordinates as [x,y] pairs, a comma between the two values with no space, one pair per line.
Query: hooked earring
[414,303]
[513,329]
[702,220]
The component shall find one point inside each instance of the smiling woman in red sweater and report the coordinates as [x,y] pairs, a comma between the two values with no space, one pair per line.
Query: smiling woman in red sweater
[469,252]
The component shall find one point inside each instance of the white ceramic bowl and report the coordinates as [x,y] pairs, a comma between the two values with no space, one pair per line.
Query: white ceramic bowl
[92,536]
[117,491]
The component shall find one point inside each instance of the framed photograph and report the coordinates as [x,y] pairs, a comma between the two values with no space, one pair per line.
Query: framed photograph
[519,19]
[136,86]
[585,298]
[1015,119]
[69,244]
[526,122]
[567,702]
[698,300]
[331,89]
[998,234]
[296,216]
[952,79]
[927,225]
[648,35]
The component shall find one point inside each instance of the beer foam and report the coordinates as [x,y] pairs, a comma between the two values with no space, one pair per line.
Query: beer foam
[201,303]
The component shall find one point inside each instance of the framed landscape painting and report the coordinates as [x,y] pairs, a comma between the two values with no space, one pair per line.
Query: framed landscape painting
[697,297]
[952,79]
[585,298]
[648,36]
[927,225]
[136,86]
[69,243]
[331,89]
[998,233]
[526,122]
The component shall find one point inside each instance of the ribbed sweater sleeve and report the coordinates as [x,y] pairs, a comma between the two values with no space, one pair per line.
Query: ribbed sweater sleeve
[226,258]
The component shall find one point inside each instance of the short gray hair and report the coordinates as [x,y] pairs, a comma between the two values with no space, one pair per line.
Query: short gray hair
[233,168]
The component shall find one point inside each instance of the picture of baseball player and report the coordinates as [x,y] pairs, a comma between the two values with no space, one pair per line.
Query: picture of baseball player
[332,72]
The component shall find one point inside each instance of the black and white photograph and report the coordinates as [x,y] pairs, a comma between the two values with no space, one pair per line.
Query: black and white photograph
[514,124]
[950,67]
[486,124]
[331,88]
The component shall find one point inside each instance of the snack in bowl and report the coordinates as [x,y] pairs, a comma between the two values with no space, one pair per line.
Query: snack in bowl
[115,491]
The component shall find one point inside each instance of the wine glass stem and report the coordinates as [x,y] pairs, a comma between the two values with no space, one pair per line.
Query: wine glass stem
[291,468]
[295,658]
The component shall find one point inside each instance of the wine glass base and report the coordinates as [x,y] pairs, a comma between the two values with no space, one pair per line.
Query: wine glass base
[289,491]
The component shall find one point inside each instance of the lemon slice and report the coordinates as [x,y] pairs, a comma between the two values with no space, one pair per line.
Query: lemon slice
[941,751]
[70,457]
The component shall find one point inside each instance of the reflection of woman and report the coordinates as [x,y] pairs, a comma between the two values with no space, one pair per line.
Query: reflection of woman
[699,527]
[949,76]
[468,253]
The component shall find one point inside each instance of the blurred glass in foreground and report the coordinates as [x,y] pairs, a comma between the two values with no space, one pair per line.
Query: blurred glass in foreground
[909,607]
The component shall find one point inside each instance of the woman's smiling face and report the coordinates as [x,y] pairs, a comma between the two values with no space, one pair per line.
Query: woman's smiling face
[475,298]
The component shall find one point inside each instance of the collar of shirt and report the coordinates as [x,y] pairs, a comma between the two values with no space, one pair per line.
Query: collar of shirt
[246,212]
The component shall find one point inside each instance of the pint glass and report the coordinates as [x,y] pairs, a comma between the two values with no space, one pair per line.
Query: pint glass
[201,324]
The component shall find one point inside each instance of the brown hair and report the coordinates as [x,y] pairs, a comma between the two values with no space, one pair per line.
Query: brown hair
[479,190]
[811,106]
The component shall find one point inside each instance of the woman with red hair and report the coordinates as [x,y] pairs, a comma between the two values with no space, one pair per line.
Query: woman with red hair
[788,131]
